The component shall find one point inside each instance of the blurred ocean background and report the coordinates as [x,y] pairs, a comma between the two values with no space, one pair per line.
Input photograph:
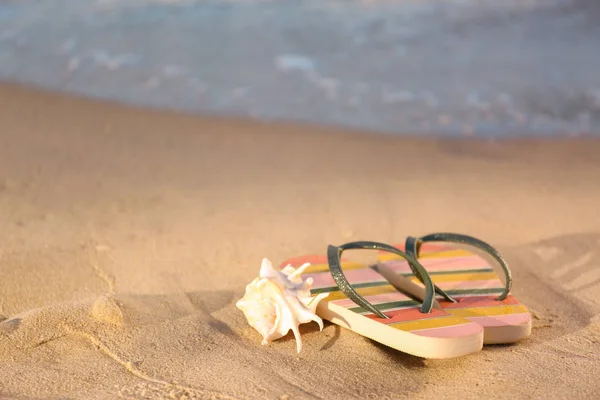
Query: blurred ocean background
[493,68]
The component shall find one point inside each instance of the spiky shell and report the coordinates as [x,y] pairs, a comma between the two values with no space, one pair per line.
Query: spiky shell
[279,301]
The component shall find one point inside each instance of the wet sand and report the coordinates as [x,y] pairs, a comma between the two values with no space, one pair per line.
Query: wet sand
[127,235]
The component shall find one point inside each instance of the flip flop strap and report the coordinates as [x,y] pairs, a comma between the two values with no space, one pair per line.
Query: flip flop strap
[334,255]
[413,245]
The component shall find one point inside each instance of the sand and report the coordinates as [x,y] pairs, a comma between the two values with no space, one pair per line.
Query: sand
[127,235]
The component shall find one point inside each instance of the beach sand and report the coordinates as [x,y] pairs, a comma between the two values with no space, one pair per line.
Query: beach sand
[127,236]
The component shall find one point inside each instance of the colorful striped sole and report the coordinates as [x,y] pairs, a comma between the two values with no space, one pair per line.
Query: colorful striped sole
[469,279]
[438,334]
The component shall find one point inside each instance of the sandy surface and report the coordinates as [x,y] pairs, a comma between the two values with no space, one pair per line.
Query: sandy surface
[128,235]
[452,67]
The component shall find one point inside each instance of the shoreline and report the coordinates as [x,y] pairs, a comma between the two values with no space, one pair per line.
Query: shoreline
[458,69]
[24,88]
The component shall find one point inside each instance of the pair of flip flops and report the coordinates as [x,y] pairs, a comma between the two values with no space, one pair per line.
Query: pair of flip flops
[430,296]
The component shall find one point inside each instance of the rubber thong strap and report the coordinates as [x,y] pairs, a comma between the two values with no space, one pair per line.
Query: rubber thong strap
[334,254]
[413,245]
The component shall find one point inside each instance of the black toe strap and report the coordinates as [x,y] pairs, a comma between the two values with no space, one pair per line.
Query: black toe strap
[334,255]
[413,245]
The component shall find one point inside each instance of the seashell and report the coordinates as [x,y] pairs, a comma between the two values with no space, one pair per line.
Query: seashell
[279,301]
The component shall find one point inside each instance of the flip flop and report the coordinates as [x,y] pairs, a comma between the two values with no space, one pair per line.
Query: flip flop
[468,285]
[362,300]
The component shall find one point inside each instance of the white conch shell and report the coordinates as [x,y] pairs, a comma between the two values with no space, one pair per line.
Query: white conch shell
[278,301]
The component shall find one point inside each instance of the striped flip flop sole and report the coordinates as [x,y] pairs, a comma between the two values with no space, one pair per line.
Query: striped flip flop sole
[470,279]
[438,334]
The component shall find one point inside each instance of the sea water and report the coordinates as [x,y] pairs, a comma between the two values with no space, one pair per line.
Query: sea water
[452,67]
